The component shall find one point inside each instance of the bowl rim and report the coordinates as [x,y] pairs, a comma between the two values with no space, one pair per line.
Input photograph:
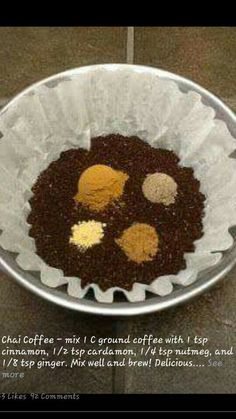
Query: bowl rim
[206,279]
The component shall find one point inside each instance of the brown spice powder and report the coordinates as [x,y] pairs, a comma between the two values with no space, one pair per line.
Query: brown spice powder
[54,212]
[139,242]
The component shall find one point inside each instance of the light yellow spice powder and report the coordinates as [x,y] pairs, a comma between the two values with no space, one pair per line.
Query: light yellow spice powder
[86,234]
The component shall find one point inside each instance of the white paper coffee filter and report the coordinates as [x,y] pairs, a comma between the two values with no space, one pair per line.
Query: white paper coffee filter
[42,123]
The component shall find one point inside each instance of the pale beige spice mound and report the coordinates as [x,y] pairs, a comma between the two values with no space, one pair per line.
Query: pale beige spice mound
[160,188]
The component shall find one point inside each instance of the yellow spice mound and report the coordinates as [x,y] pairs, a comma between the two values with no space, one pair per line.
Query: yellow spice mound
[86,234]
[99,185]
[139,242]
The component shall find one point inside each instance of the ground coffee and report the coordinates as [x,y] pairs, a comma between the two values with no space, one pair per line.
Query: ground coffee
[54,211]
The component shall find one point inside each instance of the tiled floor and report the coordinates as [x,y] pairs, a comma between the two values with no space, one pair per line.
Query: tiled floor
[208,56]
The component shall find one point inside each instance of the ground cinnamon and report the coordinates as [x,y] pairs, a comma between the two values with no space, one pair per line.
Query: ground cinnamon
[99,185]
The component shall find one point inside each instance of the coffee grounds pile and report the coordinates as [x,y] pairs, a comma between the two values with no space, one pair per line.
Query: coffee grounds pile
[54,212]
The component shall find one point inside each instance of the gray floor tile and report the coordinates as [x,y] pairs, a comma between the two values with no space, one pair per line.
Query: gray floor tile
[205,54]
[211,315]
[29,54]
[23,313]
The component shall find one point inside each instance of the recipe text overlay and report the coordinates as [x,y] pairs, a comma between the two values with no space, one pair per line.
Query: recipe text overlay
[21,353]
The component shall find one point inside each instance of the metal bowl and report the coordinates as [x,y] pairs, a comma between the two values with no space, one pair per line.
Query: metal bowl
[205,280]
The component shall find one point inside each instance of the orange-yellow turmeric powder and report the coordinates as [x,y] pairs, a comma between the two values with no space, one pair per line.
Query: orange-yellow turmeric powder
[99,185]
